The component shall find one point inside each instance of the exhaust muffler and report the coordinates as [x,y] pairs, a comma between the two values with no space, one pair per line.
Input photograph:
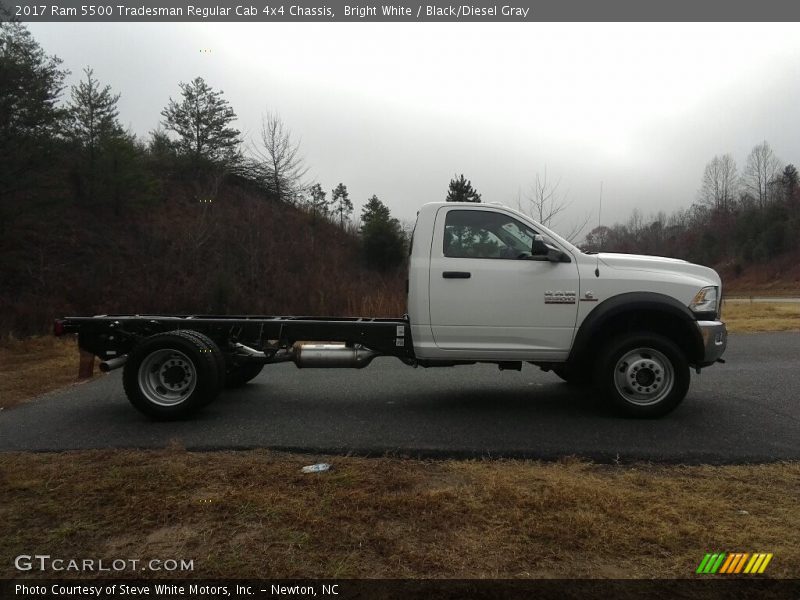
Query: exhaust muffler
[331,356]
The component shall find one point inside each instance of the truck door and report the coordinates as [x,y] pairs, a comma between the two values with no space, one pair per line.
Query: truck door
[488,299]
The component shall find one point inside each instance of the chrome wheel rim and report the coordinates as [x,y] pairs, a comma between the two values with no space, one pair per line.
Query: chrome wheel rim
[167,377]
[644,376]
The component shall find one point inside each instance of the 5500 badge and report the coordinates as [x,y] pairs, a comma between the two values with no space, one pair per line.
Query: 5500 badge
[559,297]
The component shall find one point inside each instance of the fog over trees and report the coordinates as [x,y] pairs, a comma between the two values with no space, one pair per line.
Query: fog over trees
[736,220]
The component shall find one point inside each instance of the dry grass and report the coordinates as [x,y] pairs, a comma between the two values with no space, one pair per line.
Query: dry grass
[253,514]
[34,366]
[749,317]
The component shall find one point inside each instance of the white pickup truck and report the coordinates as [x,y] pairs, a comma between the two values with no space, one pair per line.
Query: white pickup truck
[486,284]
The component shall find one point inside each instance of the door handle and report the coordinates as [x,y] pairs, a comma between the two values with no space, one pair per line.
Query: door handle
[456,275]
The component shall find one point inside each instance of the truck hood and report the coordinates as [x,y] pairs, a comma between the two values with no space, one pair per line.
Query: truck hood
[642,262]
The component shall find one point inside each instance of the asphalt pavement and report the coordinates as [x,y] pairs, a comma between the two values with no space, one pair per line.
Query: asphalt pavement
[747,410]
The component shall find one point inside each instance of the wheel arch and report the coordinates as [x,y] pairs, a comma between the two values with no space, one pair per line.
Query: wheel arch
[637,311]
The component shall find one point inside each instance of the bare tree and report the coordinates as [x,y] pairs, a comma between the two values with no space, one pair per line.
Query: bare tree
[545,202]
[576,230]
[636,223]
[761,173]
[720,183]
[279,162]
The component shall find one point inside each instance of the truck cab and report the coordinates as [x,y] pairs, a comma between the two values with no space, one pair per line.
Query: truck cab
[488,284]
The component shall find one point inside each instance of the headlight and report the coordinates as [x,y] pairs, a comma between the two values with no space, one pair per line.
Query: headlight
[705,300]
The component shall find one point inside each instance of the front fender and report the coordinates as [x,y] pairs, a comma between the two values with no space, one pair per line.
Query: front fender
[602,321]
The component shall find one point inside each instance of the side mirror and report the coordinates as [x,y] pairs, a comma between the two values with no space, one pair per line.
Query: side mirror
[554,255]
[541,251]
[538,247]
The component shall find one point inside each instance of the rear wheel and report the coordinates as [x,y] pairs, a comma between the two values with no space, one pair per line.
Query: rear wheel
[211,347]
[172,375]
[643,374]
[239,375]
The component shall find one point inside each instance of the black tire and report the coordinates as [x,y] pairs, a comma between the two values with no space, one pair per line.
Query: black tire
[643,374]
[239,375]
[235,375]
[172,375]
[219,358]
[573,375]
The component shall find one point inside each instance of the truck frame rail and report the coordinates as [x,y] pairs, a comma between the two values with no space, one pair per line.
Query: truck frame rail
[111,336]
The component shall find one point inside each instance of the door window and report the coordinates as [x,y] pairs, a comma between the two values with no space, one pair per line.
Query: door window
[485,234]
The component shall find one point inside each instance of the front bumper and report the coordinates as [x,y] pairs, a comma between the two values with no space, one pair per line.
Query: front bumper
[715,340]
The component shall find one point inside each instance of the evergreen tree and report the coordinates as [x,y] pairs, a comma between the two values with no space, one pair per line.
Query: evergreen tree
[30,120]
[160,147]
[790,181]
[461,190]
[202,121]
[317,202]
[94,127]
[374,211]
[381,236]
[93,113]
[340,199]
[124,176]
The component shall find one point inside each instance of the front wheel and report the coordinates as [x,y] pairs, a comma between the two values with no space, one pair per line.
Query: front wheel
[643,374]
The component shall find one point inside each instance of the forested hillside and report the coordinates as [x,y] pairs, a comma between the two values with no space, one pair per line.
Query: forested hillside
[746,225]
[94,219]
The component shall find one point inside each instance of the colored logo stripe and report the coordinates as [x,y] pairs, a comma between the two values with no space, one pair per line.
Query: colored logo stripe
[756,558]
[727,564]
[738,564]
[764,563]
[703,563]
[717,563]
[710,563]
[734,562]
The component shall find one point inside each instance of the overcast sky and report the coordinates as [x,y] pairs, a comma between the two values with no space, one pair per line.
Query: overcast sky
[397,109]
